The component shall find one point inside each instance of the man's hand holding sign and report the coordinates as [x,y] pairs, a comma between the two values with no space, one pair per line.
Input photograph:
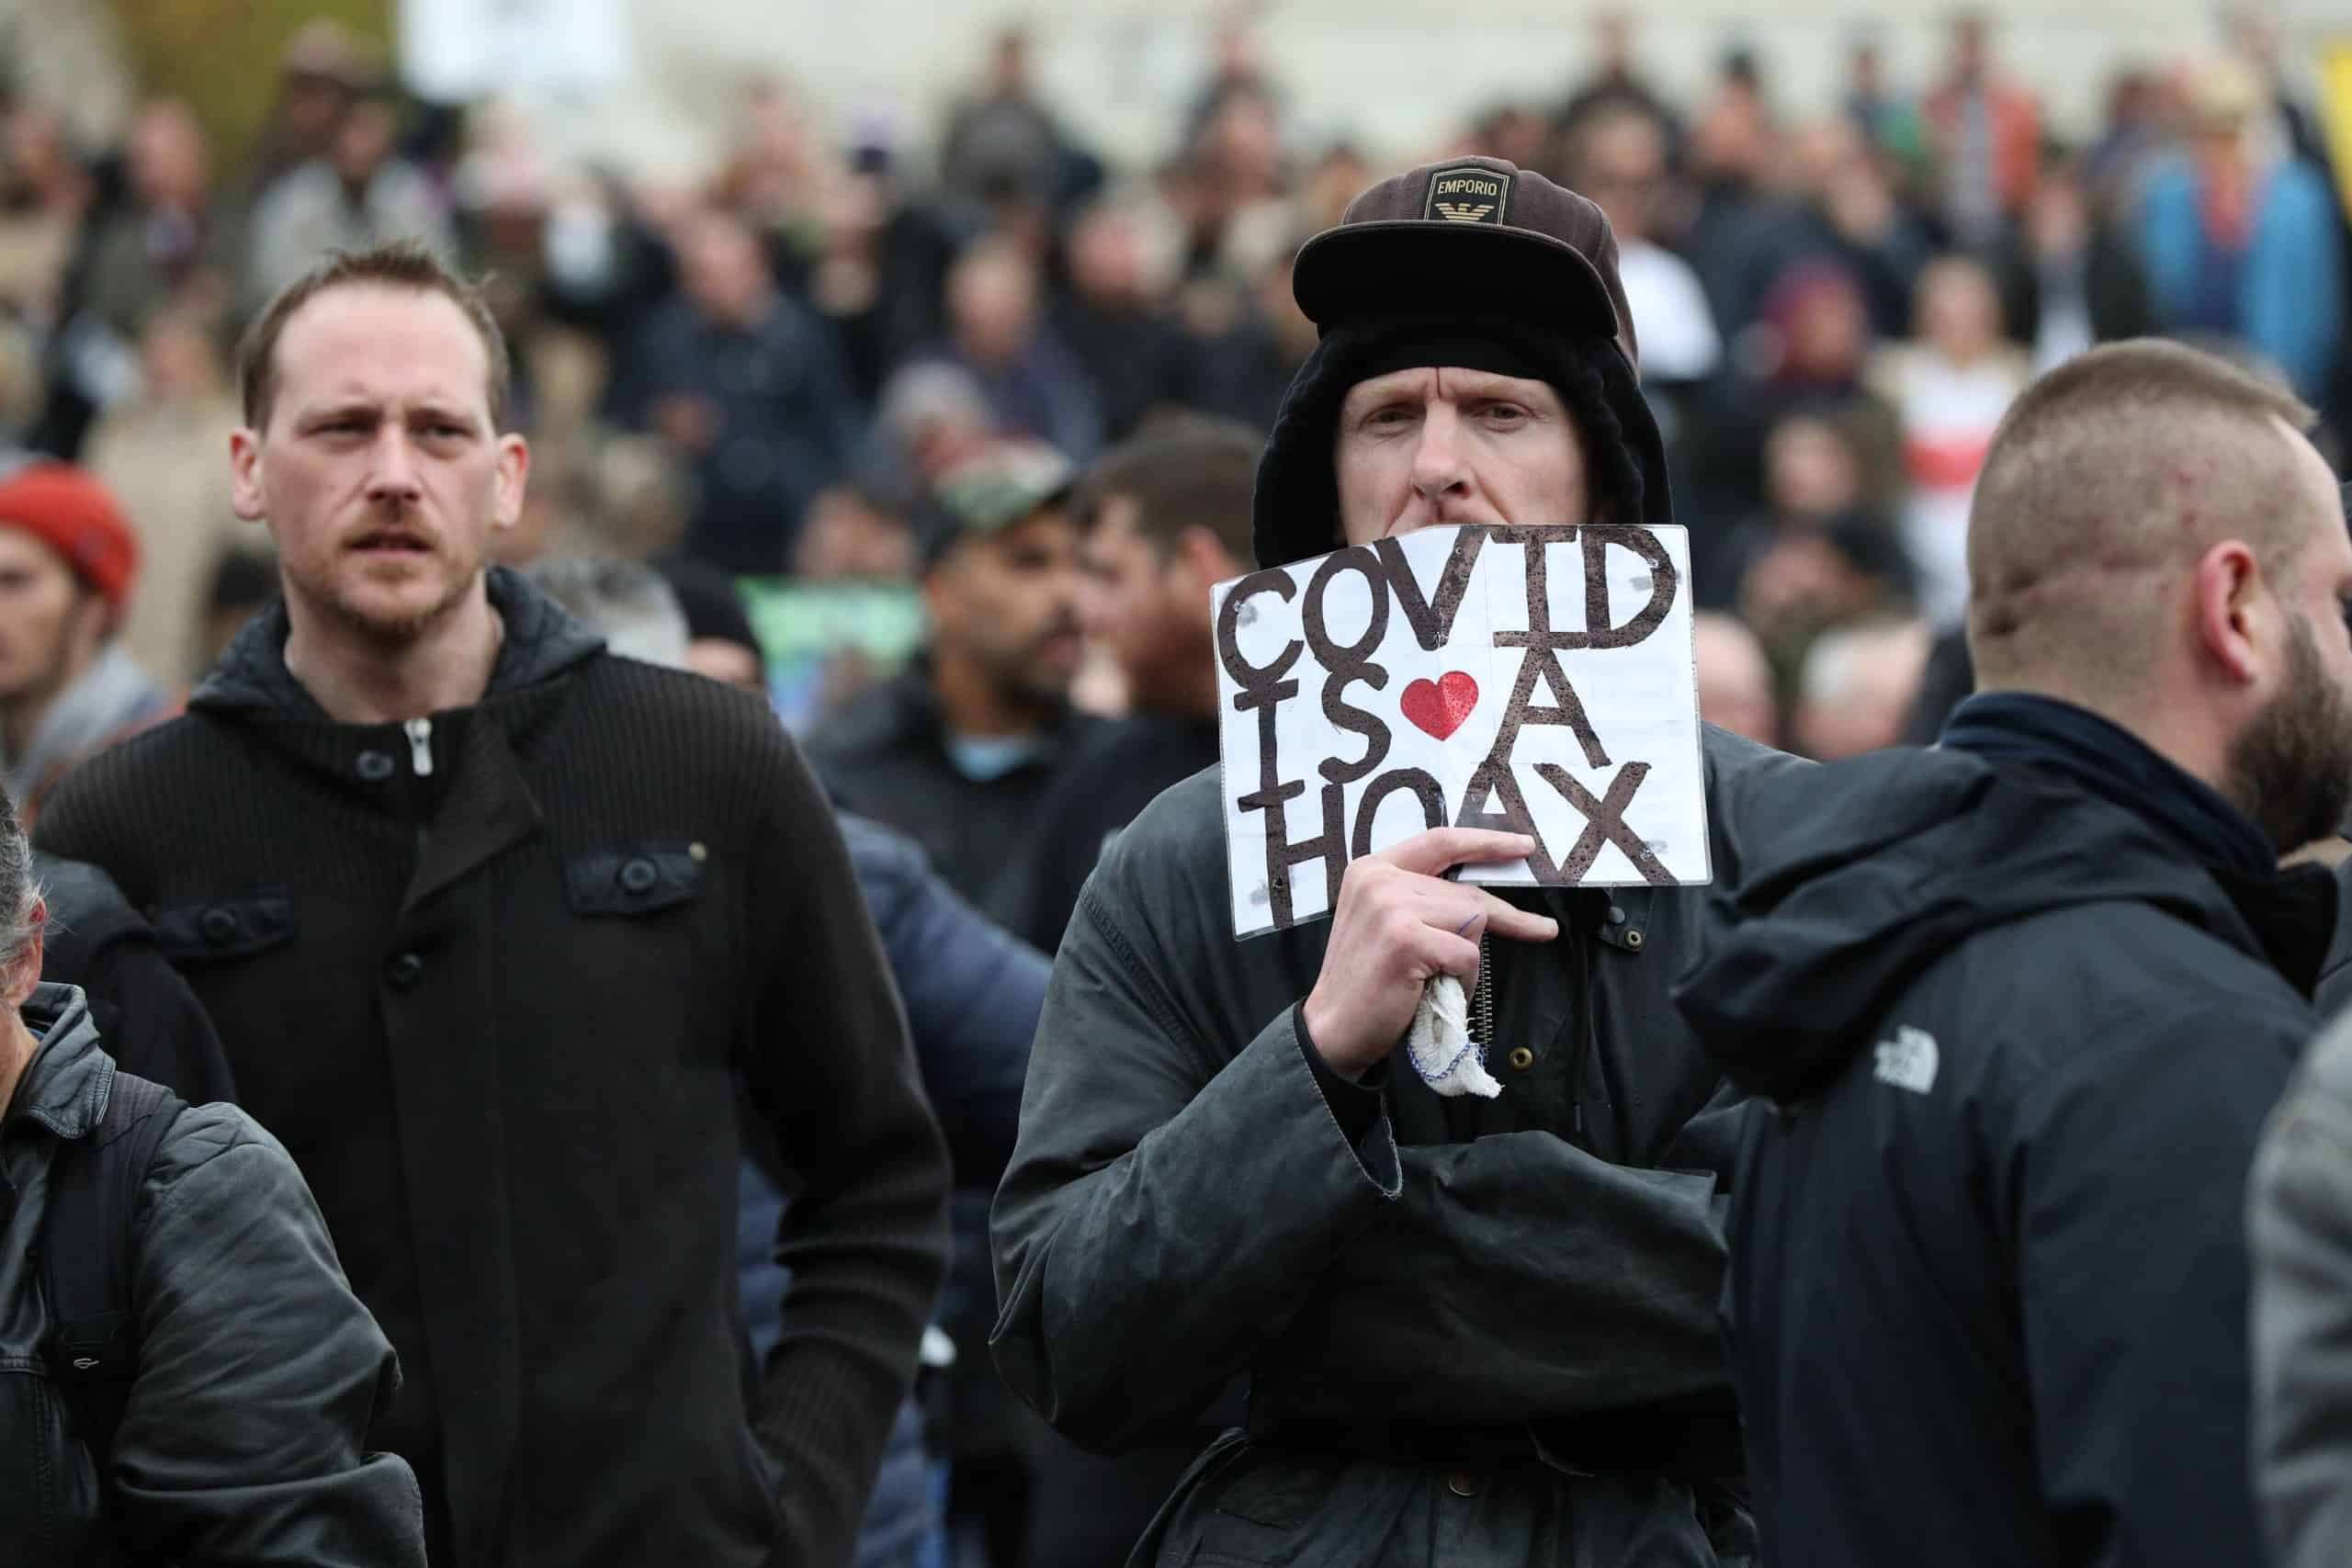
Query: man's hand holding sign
[1400,924]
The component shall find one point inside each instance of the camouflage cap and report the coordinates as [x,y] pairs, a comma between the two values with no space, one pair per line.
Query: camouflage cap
[1472,232]
[991,491]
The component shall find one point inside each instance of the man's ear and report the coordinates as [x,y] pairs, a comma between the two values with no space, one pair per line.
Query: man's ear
[244,474]
[514,473]
[1206,558]
[2231,611]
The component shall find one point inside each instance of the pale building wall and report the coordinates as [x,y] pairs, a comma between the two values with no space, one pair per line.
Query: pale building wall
[1395,74]
[69,53]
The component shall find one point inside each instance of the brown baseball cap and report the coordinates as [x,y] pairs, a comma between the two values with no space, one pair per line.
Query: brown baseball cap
[1474,229]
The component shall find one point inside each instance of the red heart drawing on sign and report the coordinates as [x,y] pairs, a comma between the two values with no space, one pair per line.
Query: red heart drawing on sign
[1440,705]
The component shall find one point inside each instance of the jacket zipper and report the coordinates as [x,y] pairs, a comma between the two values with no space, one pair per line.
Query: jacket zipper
[1484,1013]
[1486,1001]
[1584,1032]
[420,746]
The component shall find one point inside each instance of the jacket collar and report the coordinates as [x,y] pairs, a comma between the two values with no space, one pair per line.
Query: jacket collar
[2291,912]
[252,688]
[2118,766]
[66,1085]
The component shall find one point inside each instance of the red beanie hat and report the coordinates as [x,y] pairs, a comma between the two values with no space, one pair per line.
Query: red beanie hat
[68,510]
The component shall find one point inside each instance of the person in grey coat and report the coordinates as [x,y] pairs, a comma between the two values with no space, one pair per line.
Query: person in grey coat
[2300,1230]
[1474,1331]
[241,1437]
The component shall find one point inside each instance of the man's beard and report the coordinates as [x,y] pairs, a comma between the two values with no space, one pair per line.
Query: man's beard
[1034,692]
[1025,681]
[2291,770]
[390,631]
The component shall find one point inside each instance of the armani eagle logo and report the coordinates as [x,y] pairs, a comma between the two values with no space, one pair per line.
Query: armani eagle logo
[1469,193]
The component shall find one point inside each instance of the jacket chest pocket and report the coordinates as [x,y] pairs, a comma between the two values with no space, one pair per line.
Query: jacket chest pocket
[647,930]
[199,931]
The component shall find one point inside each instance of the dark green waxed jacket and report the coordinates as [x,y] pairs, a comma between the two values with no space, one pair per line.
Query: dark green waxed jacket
[1480,1332]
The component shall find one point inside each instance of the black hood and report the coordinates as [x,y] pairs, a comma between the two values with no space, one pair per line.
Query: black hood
[1853,878]
[1295,510]
[542,642]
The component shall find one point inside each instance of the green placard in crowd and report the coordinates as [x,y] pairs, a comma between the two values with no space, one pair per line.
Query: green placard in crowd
[824,641]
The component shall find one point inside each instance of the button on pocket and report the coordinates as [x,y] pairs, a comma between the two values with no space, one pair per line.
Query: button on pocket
[634,880]
[222,926]
[403,970]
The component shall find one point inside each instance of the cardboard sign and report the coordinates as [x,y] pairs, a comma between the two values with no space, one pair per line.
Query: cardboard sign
[1537,680]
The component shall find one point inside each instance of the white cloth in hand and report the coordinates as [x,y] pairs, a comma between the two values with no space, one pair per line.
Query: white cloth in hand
[1439,1043]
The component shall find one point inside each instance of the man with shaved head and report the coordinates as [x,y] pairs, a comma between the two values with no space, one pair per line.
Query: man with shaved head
[2082,533]
[2021,1003]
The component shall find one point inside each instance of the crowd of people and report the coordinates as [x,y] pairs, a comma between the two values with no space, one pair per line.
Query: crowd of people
[674,1132]
[764,371]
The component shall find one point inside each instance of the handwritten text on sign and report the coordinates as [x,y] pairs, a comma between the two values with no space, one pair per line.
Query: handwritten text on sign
[1538,681]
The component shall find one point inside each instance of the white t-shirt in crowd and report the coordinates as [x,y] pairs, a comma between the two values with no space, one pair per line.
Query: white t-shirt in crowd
[1949,414]
[1672,318]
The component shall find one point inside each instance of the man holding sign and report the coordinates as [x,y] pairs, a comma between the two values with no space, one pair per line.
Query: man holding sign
[1479,1329]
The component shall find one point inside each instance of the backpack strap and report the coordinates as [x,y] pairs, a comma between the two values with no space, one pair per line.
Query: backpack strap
[86,1259]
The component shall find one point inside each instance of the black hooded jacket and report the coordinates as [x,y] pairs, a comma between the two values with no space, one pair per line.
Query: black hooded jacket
[1987,1294]
[493,976]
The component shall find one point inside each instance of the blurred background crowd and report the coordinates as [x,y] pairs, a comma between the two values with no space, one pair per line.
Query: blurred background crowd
[762,369]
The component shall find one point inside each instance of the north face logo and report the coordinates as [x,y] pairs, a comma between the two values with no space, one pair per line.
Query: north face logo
[1908,1061]
[1468,194]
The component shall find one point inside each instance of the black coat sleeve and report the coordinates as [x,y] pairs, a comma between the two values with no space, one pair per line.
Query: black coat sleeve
[827,1067]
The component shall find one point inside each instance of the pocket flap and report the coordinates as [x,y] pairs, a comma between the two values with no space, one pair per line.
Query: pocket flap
[224,928]
[635,879]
